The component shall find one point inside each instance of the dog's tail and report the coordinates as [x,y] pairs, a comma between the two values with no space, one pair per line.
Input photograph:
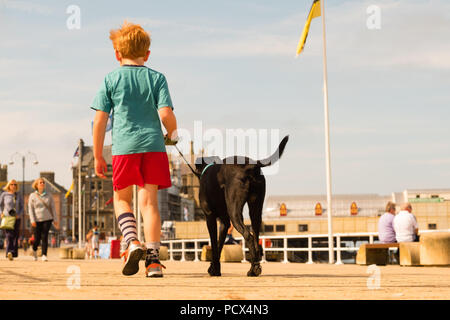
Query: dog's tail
[275,156]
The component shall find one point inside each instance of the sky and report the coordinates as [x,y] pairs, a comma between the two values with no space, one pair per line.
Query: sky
[231,65]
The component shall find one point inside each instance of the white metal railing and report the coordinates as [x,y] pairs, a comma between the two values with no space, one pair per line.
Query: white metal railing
[338,237]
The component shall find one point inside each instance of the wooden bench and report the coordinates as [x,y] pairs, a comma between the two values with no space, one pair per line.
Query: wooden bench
[230,253]
[374,253]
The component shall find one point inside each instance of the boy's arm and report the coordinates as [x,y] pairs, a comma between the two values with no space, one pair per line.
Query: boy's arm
[100,121]
[169,121]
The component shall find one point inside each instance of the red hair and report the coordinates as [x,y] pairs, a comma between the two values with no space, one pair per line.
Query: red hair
[132,41]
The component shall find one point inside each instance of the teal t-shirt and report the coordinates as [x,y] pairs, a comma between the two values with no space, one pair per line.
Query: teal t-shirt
[133,94]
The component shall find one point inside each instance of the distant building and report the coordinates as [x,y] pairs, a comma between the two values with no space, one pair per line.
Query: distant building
[190,184]
[430,206]
[3,175]
[95,194]
[302,206]
[357,212]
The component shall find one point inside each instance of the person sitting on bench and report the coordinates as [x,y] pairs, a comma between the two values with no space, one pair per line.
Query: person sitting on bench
[405,225]
[386,232]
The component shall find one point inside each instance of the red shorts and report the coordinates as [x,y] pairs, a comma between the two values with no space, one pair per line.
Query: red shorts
[140,169]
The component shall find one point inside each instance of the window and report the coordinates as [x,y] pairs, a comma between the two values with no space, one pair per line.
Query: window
[280,227]
[268,228]
[432,226]
[434,196]
[302,227]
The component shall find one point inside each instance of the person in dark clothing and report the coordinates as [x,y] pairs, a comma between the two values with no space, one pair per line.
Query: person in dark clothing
[11,204]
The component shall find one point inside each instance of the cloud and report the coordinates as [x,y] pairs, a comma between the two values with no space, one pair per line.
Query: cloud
[430,162]
[35,130]
[411,34]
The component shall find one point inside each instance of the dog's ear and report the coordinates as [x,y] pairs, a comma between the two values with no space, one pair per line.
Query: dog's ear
[202,162]
[199,163]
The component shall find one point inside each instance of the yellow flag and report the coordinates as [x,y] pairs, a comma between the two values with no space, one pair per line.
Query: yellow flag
[69,191]
[313,13]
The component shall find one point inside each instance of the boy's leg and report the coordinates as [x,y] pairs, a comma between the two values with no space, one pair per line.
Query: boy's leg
[127,225]
[148,202]
[122,200]
[124,214]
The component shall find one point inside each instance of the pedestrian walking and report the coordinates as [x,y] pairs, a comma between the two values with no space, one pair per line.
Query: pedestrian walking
[138,99]
[95,241]
[88,244]
[41,208]
[11,204]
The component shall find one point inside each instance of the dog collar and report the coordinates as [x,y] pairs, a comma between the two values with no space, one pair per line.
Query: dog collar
[209,165]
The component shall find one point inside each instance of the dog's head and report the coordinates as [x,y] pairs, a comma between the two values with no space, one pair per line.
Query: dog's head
[202,162]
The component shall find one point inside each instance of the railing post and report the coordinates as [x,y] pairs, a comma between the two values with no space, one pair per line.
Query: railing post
[183,253]
[196,259]
[310,260]
[285,253]
[171,251]
[263,258]
[285,249]
[338,252]
[243,250]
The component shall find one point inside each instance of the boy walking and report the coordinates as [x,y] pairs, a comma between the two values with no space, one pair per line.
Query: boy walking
[138,98]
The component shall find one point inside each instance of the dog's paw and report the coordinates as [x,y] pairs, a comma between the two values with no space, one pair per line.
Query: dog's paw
[214,271]
[254,271]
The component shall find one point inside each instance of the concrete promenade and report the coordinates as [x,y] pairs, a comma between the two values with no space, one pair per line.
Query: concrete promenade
[66,279]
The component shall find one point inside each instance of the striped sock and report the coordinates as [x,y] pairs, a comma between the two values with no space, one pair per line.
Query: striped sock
[127,225]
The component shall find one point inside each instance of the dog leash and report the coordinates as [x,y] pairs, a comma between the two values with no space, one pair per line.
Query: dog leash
[193,171]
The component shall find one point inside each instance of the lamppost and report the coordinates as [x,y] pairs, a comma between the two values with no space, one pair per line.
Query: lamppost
[92,178]
[35,162]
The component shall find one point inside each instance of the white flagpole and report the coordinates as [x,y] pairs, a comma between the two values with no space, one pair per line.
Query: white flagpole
[327,138]
[80,157]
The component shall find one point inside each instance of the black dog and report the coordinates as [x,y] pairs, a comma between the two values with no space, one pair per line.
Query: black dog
[225,186]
